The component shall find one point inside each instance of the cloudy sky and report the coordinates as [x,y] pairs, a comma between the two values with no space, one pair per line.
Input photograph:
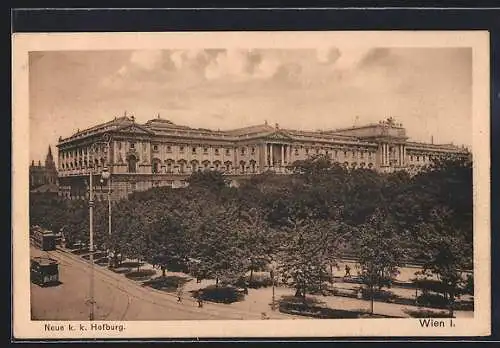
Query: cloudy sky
[429,90]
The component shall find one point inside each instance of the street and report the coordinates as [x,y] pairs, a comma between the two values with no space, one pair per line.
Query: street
[117,298]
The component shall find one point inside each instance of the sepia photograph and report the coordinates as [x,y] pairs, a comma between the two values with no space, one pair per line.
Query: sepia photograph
[251,184]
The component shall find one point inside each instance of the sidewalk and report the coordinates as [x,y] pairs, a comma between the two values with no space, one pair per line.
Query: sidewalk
[258,300]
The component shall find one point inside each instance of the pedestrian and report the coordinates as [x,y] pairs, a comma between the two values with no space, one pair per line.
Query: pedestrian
[347,271]
[179,293]
[200,302]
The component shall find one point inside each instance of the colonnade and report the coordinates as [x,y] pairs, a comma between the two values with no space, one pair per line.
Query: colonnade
[399,156]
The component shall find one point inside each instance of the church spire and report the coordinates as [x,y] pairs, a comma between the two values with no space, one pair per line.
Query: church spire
[49,160]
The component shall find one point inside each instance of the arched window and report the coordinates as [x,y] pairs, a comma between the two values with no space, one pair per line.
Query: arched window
[242,167]
[169,166]
[156,166]
[132,164]
[228,166]
[252,166]
[182,166]
[194,166]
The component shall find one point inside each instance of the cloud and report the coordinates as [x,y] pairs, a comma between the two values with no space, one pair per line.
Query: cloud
[147,60]
[328,55]
[289,73]
[230,63]
[267,68]
[241,65]
[377,57]
[350,57]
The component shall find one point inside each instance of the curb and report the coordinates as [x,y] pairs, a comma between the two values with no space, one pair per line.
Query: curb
[120,277]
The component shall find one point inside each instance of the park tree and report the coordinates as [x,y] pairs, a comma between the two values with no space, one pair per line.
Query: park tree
[256,239]
[215,245]
[379,252]
[168,241]
[211,180]
[303,261]
[446,254]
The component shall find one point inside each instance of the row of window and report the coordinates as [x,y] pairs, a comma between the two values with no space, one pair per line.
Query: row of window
[194,166]
[82,151]
[82,164]
[423,157]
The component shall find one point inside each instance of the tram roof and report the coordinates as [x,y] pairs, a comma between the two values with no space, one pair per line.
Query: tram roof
[45,261]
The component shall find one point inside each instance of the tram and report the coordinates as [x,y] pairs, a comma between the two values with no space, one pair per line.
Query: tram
[44,271]
[43,239]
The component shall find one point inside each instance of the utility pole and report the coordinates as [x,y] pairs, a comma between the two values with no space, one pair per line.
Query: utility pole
[91,244]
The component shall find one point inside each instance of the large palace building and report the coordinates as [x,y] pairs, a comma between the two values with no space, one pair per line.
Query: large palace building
[161,153]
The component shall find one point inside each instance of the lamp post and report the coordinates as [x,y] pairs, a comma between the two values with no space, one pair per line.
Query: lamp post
[91,242]
[273,280]
[104,176]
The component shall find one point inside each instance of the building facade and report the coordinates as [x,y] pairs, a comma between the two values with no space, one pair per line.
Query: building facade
[161,153]
[43,174]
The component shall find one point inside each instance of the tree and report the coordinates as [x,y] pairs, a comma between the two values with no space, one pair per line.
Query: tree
[168,242]
[379,252]
[255,239]
[215,243]
[208,180]
[303,261]
[445,254]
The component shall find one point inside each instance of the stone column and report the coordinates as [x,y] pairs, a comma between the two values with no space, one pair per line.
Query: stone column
[290,153]
[265,155]
[387,161]
[282,155]
[386,154]
[400,155]
[271,164]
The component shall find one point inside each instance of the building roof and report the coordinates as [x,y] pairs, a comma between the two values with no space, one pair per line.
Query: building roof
[116,123]
[163,127]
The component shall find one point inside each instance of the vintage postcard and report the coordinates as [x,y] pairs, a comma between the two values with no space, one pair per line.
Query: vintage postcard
[251,184]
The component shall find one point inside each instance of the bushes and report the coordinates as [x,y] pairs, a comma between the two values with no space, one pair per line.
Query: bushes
[141,275]
[311,308]
[221,294]
[168,284]
[379,295]
[425,313]
[469,285]
[432,300]
[259,280]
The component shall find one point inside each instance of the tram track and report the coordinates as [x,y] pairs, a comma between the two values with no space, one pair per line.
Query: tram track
[135,292]
[58,256]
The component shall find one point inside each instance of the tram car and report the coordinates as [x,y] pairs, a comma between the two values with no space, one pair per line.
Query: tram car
[44,271]
[43,239]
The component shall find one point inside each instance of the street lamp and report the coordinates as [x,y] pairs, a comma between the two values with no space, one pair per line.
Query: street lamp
[273,280]
[104,175]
